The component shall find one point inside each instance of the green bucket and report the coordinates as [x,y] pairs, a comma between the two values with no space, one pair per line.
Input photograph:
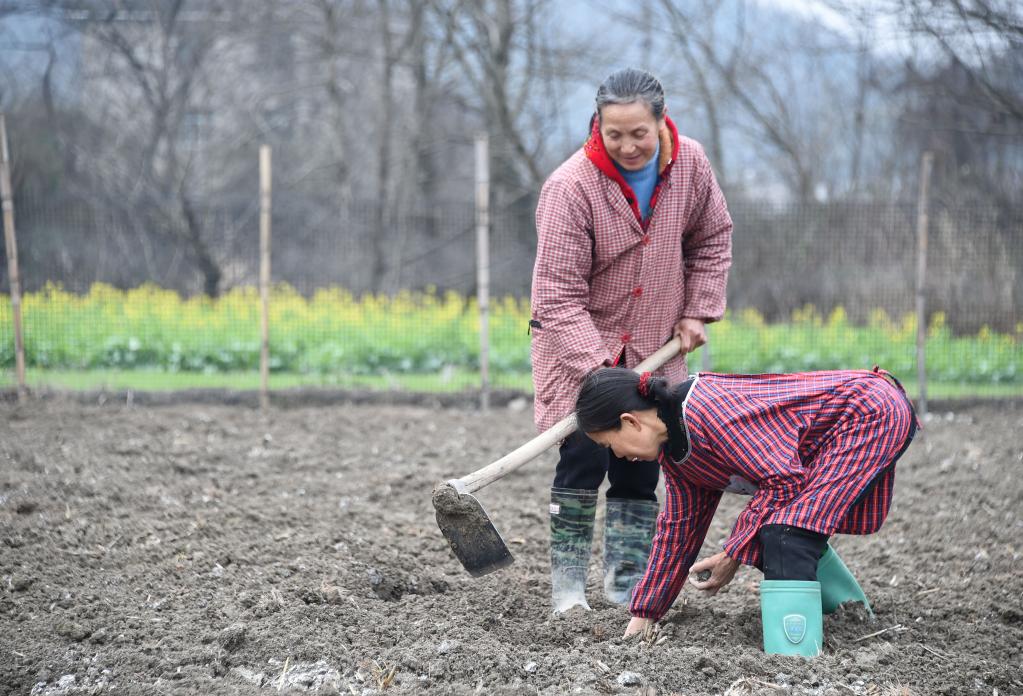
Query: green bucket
[790,612]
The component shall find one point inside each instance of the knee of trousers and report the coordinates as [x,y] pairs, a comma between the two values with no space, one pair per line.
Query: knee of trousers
[582,464]
[632,480]
[790,553]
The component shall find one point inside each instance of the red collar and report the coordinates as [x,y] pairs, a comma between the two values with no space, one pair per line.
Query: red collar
[597,153]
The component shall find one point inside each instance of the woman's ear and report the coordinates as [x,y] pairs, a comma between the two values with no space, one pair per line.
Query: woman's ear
[629,419]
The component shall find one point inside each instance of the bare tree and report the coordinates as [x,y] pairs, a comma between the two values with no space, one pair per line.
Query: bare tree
[148,63]
[958,90]
[766,93]
[326,27]
[394,49]
[497,44]
[692,54]
[969,33]
[383,63]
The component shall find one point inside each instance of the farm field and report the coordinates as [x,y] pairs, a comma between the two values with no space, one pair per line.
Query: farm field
[198,548]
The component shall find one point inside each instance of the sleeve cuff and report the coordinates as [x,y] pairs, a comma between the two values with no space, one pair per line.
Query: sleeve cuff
[647,614]
[707,313]
[744,548]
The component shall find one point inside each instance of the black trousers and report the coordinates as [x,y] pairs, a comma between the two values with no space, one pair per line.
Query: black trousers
[583,464]
[790,553]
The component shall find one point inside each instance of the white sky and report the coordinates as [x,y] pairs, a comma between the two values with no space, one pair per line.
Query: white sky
[811,8]
[887,38]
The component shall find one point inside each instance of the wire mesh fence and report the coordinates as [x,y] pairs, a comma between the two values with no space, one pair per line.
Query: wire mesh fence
[364,296]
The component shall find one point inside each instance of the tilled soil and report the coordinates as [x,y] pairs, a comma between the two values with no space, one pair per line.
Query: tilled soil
[210,549]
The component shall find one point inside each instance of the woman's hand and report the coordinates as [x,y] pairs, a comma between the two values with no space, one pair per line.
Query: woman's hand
[722,569]
[638,625]
[692,332]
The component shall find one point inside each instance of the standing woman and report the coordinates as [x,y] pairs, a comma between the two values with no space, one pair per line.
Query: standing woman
[816,451]
[634,242]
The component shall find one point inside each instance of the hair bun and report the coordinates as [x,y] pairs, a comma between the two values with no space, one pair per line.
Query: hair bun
[644,384]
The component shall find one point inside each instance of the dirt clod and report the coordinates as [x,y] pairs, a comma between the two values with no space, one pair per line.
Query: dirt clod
[26,507]
[72,630]
[20,583]
[629,679]
[232,636]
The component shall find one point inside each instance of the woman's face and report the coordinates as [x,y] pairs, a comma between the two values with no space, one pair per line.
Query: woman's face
[638,440]
[630,133]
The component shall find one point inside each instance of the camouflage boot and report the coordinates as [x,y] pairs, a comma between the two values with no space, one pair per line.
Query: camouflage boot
[628,534]
[572,513]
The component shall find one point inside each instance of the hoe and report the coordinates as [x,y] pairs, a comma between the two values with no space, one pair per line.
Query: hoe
[474,539]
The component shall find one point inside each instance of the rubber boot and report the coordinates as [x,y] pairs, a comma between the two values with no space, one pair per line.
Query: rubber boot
[572,513]
[628,533]
[790,611]
[837,583]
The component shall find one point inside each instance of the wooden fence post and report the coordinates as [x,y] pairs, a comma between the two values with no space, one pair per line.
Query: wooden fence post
[483,262]
[921,280]
[264,276]
[7,197]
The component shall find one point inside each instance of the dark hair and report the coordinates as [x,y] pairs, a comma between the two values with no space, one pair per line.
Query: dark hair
[606,394]
[609,392]
[630,85]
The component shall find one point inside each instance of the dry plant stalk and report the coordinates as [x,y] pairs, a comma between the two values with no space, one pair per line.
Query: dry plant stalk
[747,686]
[284,673]
[898,628]
[650,633]
[383,675]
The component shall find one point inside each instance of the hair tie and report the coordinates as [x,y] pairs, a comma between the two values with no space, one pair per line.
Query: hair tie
[644,384]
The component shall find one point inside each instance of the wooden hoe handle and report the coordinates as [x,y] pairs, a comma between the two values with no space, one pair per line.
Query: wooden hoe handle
[540,444]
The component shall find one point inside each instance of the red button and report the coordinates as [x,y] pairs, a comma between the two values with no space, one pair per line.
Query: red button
[626,337]
[637,291]
[646,238]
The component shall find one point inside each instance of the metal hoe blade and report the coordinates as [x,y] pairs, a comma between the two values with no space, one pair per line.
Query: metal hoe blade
[473,538]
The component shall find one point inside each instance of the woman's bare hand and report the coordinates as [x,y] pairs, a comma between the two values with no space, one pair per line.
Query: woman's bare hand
[638,625]
[722,569]
[692,332]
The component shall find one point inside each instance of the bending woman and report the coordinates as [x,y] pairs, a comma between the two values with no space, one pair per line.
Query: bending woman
[816,451]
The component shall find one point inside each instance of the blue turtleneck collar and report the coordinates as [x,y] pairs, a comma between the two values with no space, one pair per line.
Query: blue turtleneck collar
[643,181]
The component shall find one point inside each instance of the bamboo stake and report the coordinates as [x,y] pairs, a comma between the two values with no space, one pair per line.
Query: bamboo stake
[7,197]
[483,262]
[264,275]
[921,280]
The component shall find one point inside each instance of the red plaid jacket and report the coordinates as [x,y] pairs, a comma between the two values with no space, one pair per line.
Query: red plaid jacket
[605,281]
[809,443]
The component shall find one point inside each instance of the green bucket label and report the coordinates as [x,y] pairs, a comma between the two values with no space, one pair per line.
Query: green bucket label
[795,627]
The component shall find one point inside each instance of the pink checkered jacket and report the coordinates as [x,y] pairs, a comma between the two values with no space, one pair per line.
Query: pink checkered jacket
[607,284]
